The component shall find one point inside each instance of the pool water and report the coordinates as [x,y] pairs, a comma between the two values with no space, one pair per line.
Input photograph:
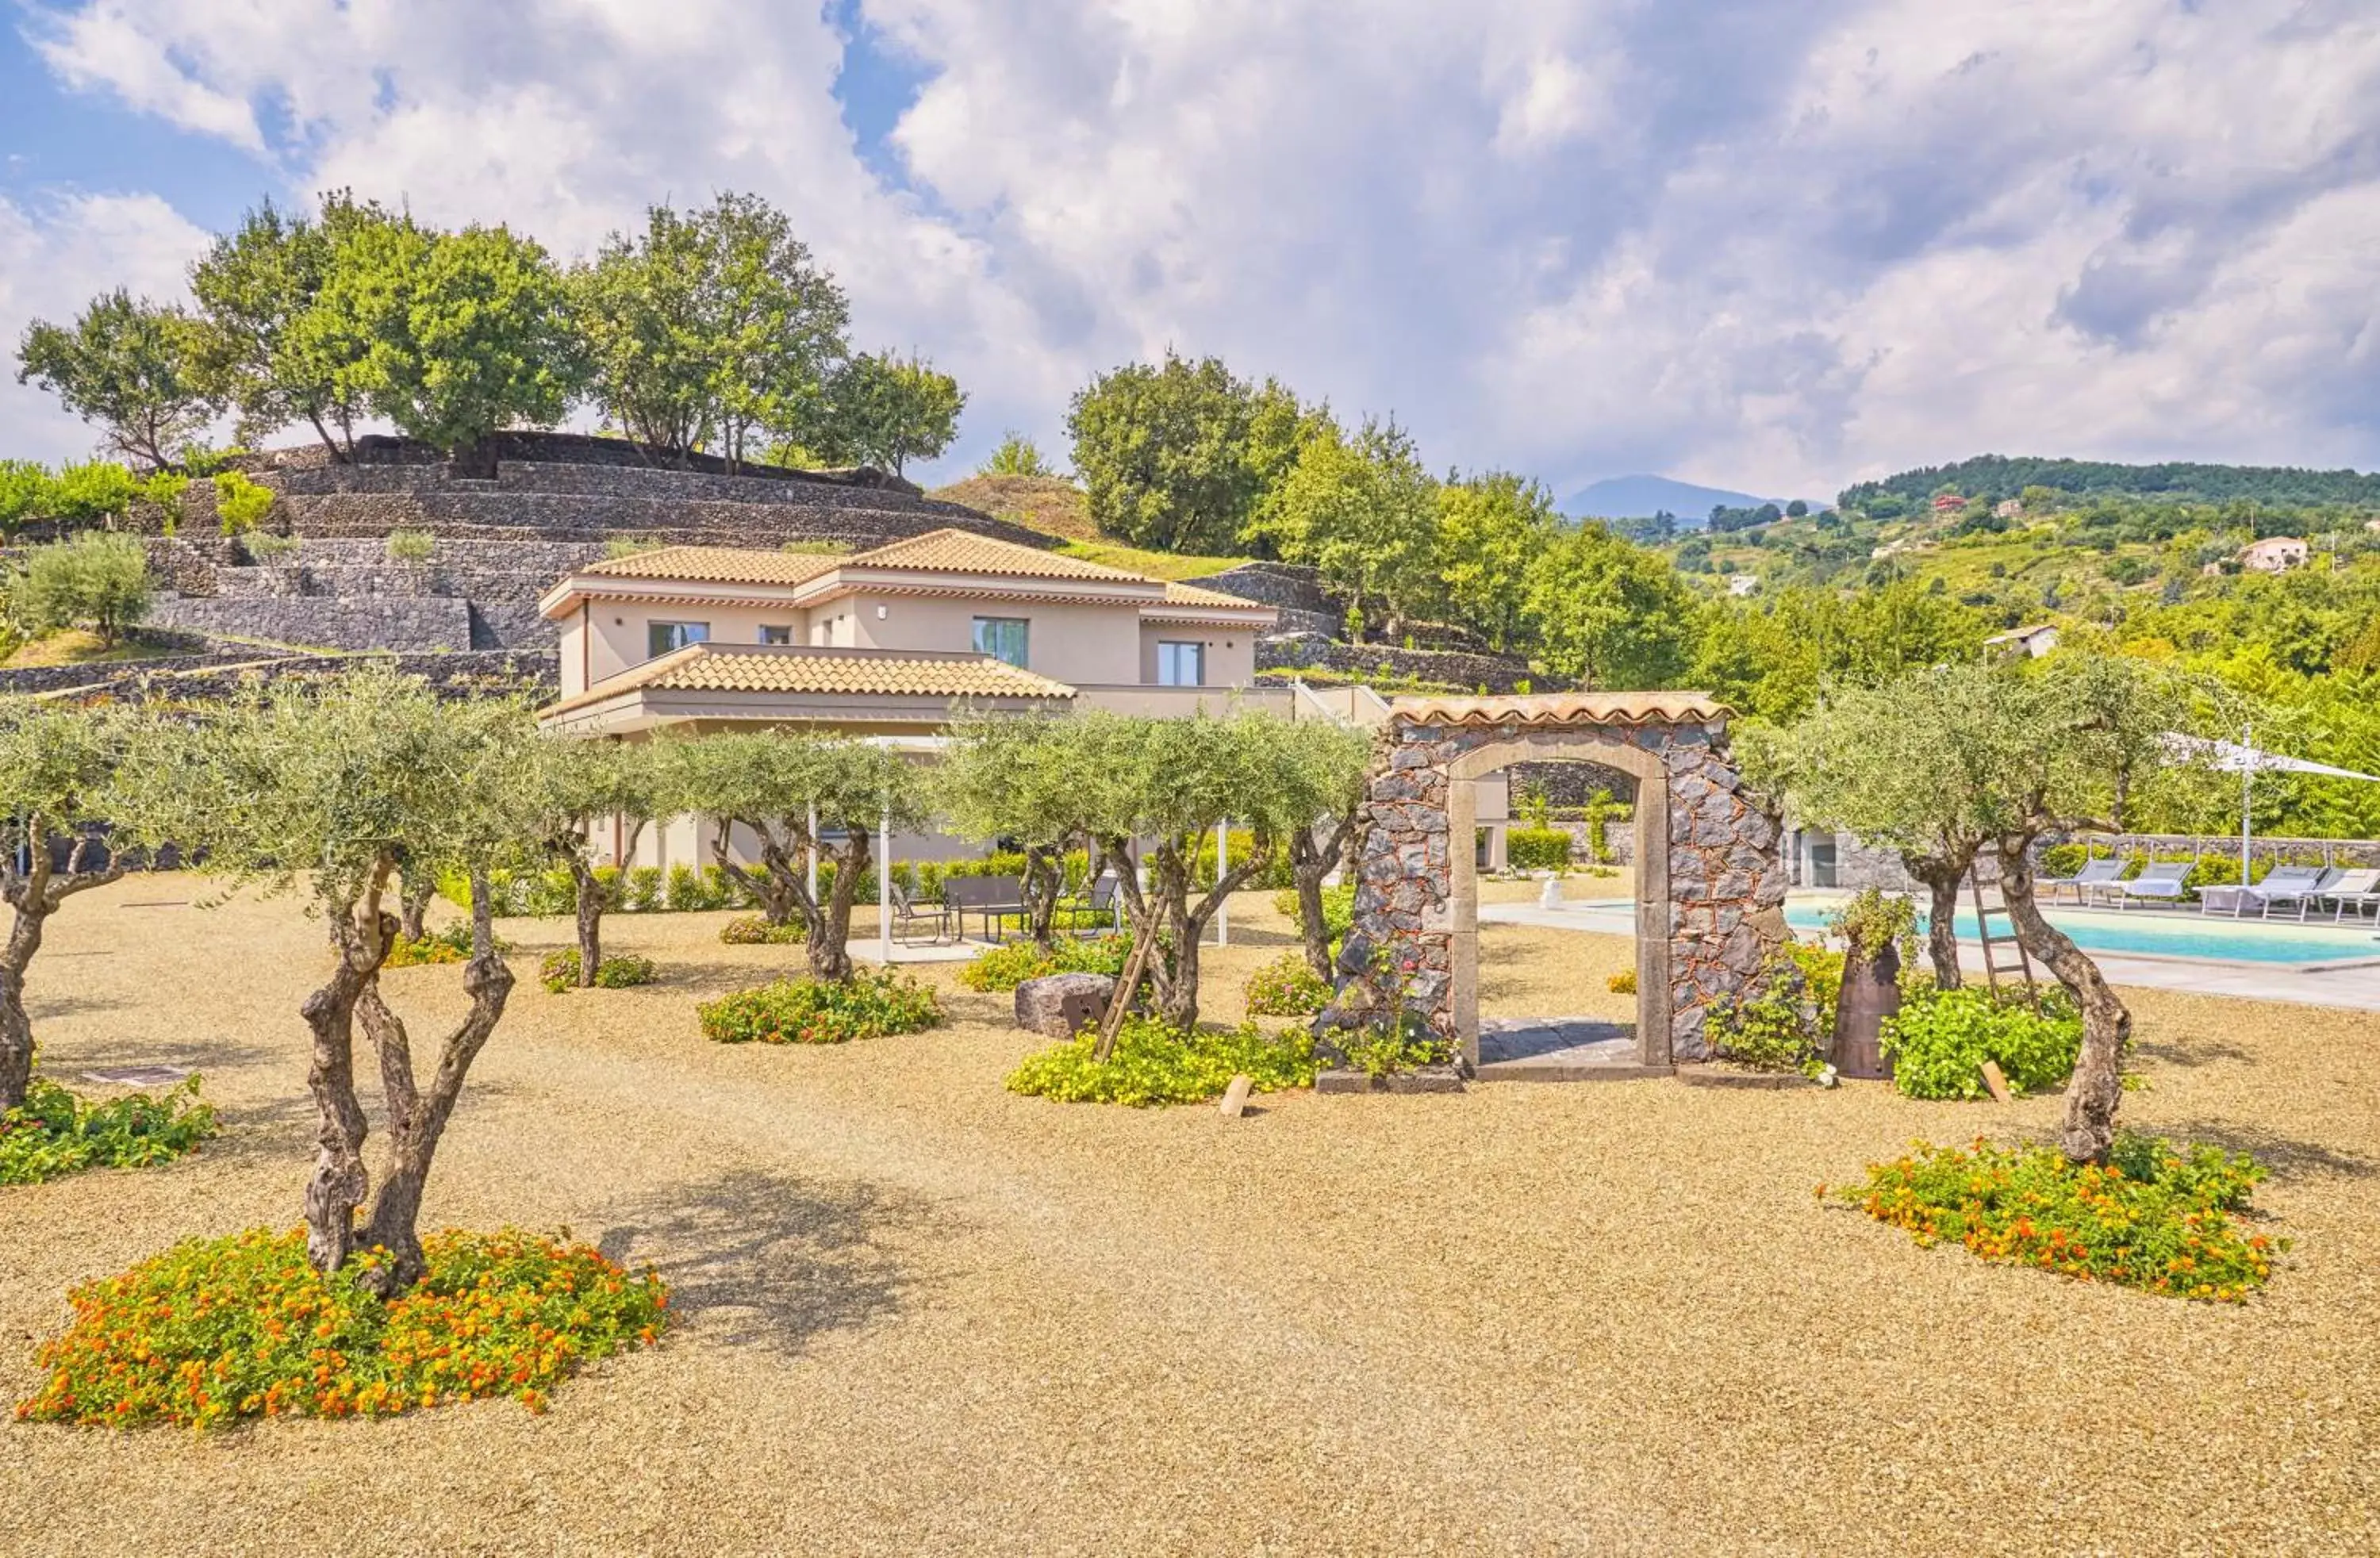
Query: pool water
[2145,935]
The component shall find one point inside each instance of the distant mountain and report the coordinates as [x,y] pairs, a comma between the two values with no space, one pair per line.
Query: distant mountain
[1635,497]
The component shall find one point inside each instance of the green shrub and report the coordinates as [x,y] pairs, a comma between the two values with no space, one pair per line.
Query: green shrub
[559,971]
[2155,1217]
[1286,987]
[92,493]
[54,1133]
[1153,1063]
[754,930]
[164,489]
[1537,849]
[240,503]
[1008,966]
[450,944]
[644,891]
[1276,873]
[810,1011]
[412,546]
[692,891]
[24,493]
[1337,909]
[97,579]
[1938,1041]
[1622,982]
[1790,1017]
[215,1330]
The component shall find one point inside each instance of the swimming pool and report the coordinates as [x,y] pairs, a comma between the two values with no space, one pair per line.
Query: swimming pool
[2130,934]
[2149,935]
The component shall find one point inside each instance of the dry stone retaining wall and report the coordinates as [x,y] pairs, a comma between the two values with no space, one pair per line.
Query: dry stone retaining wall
[1303,651]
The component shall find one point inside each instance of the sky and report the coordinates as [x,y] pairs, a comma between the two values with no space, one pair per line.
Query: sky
[1777,247]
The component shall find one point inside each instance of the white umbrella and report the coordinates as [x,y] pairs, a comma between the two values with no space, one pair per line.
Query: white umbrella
[2239,757]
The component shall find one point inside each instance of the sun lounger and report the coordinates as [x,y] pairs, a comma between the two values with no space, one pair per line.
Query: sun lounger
[2300,886]
[2160,882]
[2353,890]
[2093,873]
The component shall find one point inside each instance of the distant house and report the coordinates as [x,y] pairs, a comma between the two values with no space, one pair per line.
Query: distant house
[2273,554]
[1948,503]
[2009,508]
[2032,642]
[1741,585]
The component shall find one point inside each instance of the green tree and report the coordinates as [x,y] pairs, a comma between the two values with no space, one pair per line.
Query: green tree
[1017,455]
[589,787]
[709,330]
[796,795]
[886,411]
[255,288]
[340,786]
[95,579]
[58,764]
[1490,529]
[1363,513]
[133,369]
[1609,613]
[25,488]
[1164,454]
[95,493]
[451,336]
[1005,778]
[1321,795]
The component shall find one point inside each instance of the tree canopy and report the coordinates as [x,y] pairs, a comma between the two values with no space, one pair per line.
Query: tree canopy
[132,367]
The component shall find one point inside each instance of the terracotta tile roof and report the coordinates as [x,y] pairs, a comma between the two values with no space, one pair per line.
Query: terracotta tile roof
[822,671]
[962,552]
[718,565]
[1562,708]
[1178,594]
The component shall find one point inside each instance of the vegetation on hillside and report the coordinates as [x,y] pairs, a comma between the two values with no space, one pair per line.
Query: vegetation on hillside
[1994,477]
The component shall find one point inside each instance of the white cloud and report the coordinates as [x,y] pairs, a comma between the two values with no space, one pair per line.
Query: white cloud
[1770,246]
[54,256]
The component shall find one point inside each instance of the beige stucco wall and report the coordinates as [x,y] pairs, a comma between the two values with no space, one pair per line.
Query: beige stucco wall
[606,637]
[1073,643]
[1230,651]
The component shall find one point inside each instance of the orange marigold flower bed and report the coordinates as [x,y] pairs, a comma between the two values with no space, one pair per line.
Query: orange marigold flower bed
[2154,1216]
[215,1330]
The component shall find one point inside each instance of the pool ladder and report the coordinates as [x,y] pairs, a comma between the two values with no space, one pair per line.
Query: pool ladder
[1994,969]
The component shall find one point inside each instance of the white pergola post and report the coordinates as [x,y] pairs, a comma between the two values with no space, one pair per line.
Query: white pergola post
[1222,865]
[814,852]
[885,887]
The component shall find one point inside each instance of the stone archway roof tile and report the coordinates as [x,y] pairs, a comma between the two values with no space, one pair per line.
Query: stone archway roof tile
[1562,708]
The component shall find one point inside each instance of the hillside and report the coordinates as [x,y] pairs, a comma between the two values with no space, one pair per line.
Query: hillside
[1995,476]
[1049,503]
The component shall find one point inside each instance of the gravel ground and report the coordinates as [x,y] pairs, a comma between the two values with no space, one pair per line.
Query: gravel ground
[921,1315]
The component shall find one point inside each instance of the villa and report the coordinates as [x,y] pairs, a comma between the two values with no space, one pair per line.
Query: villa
[884,644]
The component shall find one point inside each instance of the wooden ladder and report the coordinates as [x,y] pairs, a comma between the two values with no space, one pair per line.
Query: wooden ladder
[1994,969]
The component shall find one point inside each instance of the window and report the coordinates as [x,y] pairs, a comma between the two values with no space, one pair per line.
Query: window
[1180,665]
[662,637]
[776,635]
[1003,638]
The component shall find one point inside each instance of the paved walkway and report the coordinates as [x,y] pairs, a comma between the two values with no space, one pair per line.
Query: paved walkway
[2350,989]
[1558,1050]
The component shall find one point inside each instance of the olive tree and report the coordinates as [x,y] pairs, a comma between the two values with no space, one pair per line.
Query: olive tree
[1003,778]
[795,793]
[588,784]
[336,787]
[97,578]
[1322,790]
[2016,754]
[57,767]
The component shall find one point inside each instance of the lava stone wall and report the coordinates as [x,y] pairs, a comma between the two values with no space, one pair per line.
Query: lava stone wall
[1722,916]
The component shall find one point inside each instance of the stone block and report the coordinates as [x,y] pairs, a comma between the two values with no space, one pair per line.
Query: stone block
[1425,1079]
[1343,1080]
[1042,1004]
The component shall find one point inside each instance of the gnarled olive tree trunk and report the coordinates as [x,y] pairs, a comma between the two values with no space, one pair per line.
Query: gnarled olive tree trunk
[1308,863]
[2097,1089]
[1164,917]
[781,891]
[591,905]
[1941,874]
[1045,884]
[34,895]
[361,934]
[417,1118]
[829,943]
[413,908]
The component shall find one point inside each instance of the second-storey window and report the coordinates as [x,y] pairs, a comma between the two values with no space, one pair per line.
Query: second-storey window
[662,637]
[1180,665]
[776,635]
[1003,638]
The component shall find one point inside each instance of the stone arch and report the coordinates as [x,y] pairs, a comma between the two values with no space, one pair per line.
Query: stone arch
[1710,876]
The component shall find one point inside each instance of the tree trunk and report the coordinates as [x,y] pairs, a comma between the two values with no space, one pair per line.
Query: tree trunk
[1162,920]
[1941,876]
[1045,883]
[362,933]
[413,909]
[16,1025]
[416,1120]
[1308,864]
[829,943]
[2097,1089]
[591,920]
[778,894]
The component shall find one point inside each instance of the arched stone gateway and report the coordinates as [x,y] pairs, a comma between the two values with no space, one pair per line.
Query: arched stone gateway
[1710,879]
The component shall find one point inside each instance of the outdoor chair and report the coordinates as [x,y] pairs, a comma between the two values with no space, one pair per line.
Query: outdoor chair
[995,898]
[907,916]
[2300,885]
[2160,882]
[2093,873]
[2353,891]
[1104,900]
